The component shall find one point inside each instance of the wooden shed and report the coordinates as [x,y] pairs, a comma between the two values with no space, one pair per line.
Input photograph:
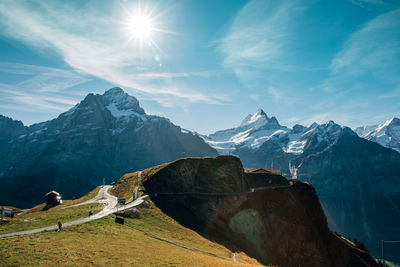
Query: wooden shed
[53,198]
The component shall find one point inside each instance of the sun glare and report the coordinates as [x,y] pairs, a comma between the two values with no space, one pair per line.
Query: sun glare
[140,27]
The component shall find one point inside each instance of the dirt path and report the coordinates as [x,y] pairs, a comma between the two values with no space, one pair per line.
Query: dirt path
[97,199]
[110,206]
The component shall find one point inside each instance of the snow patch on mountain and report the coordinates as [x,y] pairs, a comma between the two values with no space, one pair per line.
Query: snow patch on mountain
[296,145]
[386,134]
[116,97]
[120,113]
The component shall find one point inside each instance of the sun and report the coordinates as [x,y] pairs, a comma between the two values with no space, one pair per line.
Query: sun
[140,27]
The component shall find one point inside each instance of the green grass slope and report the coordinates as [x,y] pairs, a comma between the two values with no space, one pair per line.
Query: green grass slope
[152,240]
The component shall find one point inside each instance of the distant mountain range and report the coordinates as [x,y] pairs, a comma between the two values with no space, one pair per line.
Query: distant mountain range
[356,173]
[258,128]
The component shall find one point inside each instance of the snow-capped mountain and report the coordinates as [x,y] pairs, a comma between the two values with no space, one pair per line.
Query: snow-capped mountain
[104,136]
[386,134]
[257,129]
[252,132]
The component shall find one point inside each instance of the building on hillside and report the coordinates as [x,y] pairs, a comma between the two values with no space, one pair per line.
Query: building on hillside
[53,198]
[263,170]
[5,212]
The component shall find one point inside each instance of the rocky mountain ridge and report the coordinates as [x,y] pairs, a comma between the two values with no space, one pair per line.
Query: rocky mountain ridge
[104,136]
[257,129]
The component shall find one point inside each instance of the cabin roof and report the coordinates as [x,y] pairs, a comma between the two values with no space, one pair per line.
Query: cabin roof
[52,192]
[264,170]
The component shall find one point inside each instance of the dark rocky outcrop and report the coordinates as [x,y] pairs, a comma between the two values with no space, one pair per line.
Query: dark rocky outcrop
[282,223]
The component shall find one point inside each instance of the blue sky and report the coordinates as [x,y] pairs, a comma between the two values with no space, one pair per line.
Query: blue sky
[206,64]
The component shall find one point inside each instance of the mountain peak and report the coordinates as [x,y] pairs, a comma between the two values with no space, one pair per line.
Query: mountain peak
[259,117]
[260,112]
[114,90]
[121,104]
[117,95]
[393,121]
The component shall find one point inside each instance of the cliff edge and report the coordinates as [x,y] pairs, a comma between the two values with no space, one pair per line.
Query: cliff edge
[277,221]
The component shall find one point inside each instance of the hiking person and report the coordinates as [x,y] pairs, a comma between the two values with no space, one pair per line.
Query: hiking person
[59,226]
[90,213]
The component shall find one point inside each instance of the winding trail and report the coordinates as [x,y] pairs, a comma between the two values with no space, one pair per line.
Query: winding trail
[110,206]
[97,199]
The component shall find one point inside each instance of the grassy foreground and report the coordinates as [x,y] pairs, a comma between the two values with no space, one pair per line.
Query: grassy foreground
[103,242]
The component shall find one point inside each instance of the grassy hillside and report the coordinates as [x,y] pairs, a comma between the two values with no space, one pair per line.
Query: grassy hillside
[125,186]
[139,242]
[37,218]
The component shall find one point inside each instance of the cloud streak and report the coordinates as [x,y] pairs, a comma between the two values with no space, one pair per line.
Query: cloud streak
[33,102]
[258,37]
[43,79]
[373,49]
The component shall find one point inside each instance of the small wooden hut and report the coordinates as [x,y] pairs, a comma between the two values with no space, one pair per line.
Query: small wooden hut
[53,198]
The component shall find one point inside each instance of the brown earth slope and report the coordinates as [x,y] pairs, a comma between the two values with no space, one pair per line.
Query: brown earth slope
[280,223]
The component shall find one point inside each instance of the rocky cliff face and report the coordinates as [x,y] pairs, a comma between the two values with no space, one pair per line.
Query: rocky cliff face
[104,136]
[279,223]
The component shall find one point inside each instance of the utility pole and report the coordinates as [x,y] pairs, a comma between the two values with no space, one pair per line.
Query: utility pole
[383,252]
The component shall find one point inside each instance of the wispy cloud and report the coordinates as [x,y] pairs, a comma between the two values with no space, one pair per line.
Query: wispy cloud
[258,37]
[275,93]
[365,3]
[41,90]
[33,102]
[43,79]
[179,94]
[395,93]
[92,44]
[170,75]
[374,49]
